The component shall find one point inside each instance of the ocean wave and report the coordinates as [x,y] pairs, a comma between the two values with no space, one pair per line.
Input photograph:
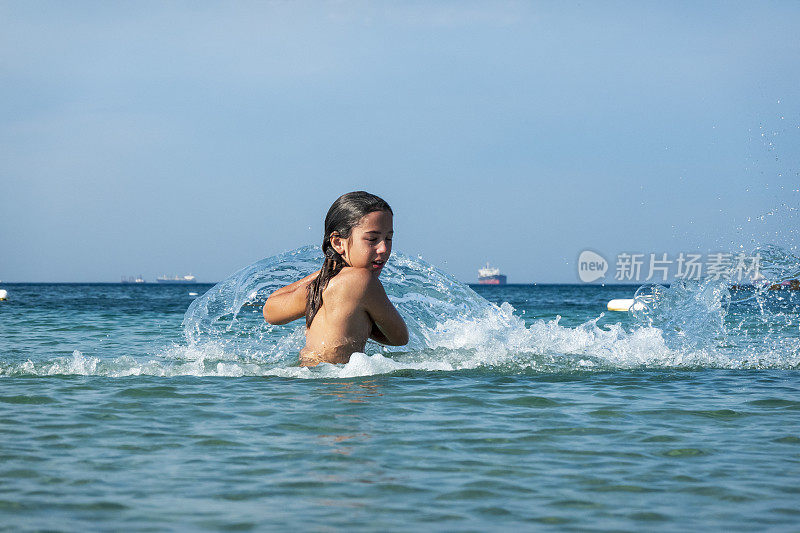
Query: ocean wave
[499,343]
[688,325]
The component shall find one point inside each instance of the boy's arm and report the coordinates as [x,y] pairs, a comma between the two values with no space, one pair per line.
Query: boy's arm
[288,303]
[389,327]
[377,335]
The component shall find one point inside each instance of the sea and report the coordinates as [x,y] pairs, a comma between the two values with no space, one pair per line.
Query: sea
[145,407]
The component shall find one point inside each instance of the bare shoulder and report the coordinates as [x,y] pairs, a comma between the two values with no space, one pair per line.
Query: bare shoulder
[355,282]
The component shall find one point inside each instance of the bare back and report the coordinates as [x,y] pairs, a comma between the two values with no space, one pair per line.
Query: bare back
[342,325]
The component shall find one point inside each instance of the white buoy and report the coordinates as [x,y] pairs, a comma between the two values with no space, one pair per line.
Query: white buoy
[192,294]
[624,304]
[3,294]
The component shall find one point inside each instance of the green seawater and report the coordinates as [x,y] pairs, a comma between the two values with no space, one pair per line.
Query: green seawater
[109,421]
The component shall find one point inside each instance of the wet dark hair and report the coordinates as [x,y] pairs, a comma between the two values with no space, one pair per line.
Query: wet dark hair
[342,217]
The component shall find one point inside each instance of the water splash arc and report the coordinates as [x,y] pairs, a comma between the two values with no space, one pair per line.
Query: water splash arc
[230,312]
[688,325]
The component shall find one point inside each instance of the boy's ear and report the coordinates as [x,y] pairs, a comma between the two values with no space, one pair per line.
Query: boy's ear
[337,243]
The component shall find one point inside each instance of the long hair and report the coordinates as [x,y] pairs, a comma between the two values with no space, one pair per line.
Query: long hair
[342,217]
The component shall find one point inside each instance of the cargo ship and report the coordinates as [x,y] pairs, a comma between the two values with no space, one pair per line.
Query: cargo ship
[491,276]
[177,279]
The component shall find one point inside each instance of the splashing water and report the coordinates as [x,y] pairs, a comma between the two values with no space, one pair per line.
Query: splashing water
[690,324]
[700,324]
[230,313]
[750,326]
[228,317]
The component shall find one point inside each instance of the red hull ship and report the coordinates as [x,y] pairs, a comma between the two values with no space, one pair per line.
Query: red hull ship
[491,276]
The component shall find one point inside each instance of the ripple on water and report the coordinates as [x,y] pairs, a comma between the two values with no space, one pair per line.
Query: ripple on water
[151,391]
[21,473]
[624,488]
[649,517]
[608,413]
[94,506]
[789,439]
[718,414]
[499,486]
[216,442]
[661,438]
[776,403]
[238,496]
[576,504]
[494,511]
[531,401]
[684,452]
[466,494]
[786,511]
[463,400]
[25,399]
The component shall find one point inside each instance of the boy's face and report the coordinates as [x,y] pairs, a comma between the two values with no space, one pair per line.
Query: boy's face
[370,243]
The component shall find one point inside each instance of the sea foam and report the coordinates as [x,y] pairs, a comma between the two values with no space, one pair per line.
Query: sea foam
[452,328]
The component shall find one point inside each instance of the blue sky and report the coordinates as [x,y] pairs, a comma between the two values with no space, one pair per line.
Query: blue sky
[199,137]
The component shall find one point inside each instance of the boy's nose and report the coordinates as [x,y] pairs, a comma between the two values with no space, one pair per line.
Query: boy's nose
[381,247]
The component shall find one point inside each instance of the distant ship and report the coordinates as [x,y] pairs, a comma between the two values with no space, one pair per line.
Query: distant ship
[491,276]
[786,285]
[177,279]
[791,285]
[137,279]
